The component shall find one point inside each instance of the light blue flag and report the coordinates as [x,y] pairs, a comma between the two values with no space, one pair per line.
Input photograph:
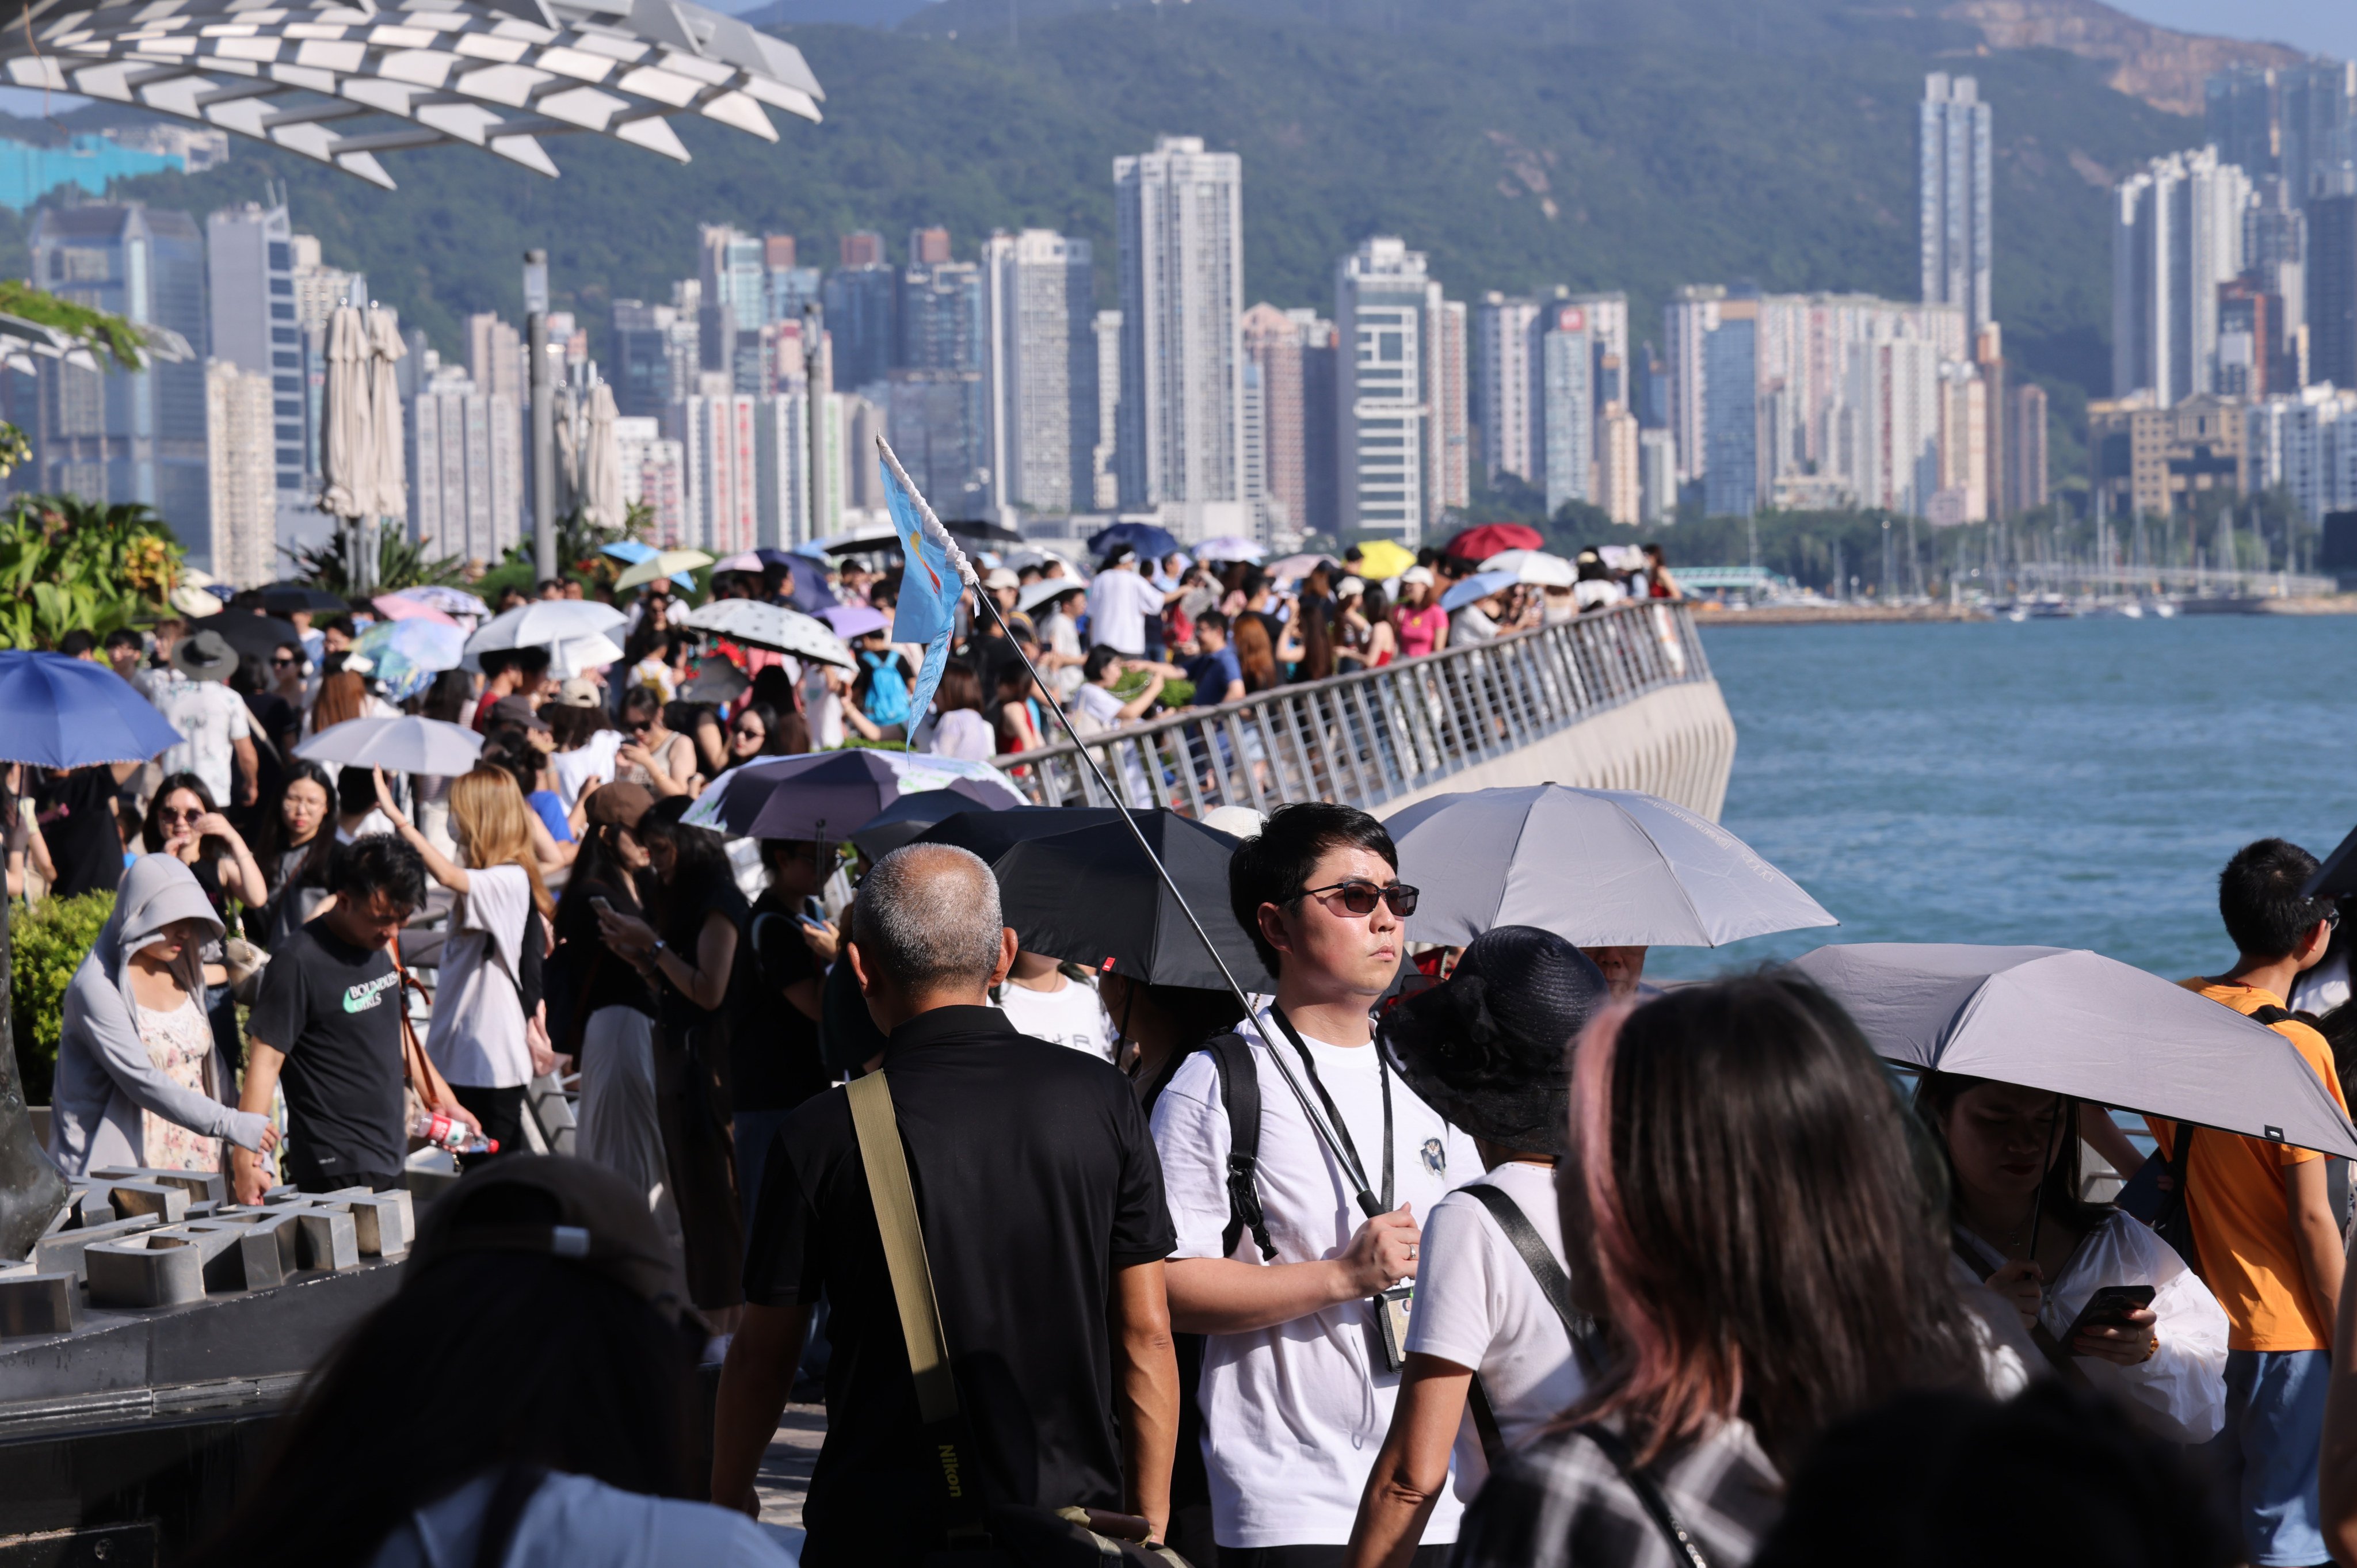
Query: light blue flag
[929,586]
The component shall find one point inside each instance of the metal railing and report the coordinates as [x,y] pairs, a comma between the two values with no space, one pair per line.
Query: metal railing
[1376,734]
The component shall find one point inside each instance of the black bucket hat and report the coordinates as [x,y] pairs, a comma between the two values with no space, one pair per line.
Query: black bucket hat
[1489,1047]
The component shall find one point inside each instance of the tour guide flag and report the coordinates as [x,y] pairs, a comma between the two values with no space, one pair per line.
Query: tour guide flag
[934,578]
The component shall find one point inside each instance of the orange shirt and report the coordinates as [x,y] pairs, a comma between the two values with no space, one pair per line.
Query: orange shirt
[2235,1193]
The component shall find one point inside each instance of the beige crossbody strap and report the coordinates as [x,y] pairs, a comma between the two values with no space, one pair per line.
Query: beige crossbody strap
[895,1198]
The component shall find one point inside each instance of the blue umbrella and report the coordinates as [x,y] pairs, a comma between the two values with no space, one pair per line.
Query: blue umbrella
[1143,537]
[57,712]
[633,551]
[1479,586]
[406,654]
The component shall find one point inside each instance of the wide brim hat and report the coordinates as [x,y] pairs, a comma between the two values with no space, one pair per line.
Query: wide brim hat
[206,656]
[1489,1048]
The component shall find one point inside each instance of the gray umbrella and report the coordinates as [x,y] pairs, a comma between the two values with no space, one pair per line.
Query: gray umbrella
[349,462]
[1597,867]
[2077,1022]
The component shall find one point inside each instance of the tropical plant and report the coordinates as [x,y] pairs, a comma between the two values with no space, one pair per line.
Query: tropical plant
[70,564]
[401,563]
[46,943]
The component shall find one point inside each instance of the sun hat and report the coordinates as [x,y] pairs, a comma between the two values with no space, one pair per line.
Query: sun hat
[1000,577]
[206,656]
[1045,590]
[559,1206]
[1349,589]
[1489,1047]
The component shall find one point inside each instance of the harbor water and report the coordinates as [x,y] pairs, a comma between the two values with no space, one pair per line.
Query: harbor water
[2070,783]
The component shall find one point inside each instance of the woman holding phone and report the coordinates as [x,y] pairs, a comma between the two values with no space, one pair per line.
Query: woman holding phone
[2020,1226]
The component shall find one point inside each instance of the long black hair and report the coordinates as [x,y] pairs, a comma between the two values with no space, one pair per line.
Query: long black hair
[1936,1099]
[559,1368]
[702,862]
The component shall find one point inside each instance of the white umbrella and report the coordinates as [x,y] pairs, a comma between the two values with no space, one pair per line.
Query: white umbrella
[661,564]
[1597,867]
[403,745]
[545,621]
[347,462]
[771,626]
[441,596]
[2076,1023]
[579,655]
[1534,566]
[388,454]
[601,463]
[1229,547]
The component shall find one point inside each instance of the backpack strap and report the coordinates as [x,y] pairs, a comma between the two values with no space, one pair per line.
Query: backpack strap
[1240,1092]
[1554,1284]
[2270,1014]
[1684,1549]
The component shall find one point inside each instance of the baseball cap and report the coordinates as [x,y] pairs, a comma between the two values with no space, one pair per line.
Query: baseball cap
[1000,577]
[579,692]
[619,804]
[517,711]
[1417,574]
[556,1205]
[1349,589]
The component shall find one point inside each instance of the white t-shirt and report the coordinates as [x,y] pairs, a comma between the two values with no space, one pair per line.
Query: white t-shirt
[1471,624]
[1099,706]
[1478,1304]
[961,732]
[1069,1016]
[592,758]
[1293,1415]
[477,1036]
[1119,602]
[210,718]
[1060,634]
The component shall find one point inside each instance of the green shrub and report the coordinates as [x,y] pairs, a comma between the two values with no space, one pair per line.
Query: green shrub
[47,943]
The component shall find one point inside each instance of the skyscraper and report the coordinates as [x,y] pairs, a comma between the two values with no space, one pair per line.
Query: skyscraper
[927,246]
[1564,355]
[1505,384]
[1657,477]
[715,438]
[1273,342]
[250,277]
[1620,480]
[1687,322]
[860,248]
[1953,188]
[1038,293]
[1895,405]
[465,469]
[113,436]
[1731,410]
[1447,436]
[495,358]
[733,267]
[241,477]
[790,287]
[939,405]
[2333,290]
[1105,466]
[2239,114]
[2176,234]
[1180,213]
[1391,381]
[2025,448]
[859,301]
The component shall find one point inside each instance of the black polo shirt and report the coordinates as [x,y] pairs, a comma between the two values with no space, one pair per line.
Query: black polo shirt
[1036,1178]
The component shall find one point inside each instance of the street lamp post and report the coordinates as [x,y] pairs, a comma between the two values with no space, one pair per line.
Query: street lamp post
[544,422]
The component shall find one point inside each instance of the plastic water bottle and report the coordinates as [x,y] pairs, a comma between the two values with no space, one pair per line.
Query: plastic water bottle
[447,1131]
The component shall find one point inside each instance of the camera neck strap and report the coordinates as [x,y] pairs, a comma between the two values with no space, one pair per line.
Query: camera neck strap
[1355,1166]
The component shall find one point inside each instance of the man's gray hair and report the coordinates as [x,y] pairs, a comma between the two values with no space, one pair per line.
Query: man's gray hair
[927,917]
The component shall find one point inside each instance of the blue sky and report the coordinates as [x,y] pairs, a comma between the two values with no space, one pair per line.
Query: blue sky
[2319,26]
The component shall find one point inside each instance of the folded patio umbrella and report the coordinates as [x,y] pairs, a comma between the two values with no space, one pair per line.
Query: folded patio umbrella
[2077,1022]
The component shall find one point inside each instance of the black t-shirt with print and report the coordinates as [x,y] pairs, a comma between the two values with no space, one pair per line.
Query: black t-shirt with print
[335,1010]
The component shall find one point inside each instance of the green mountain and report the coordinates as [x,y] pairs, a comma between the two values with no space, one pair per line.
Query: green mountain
[1634,147]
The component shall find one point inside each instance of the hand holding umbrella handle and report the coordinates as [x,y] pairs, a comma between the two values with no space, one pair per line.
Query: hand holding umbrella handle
[384,801]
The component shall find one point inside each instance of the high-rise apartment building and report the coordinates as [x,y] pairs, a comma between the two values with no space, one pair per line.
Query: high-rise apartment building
[1278,346]
[1896,401]
[645,338]
[1179,214]
[1393,381]
[1505,384]
[2240,110]
[1657,477]
[860,248]
[719,472]
[1731,410]
[2025,448]
[1953,182]
[1039,296]
[789,286]
[2249,327]
[1448,434]
[655,476]
[1619,479]
[2333,290]
[1563,355]
[241,476]
[2306,443]
[938,404]
[250,279]
[858,300]
[465,471]
[1322,358]
[1962,495]
[2275,260]
[928,247]
[2297,122]
[112,436]
[1687,322]
[734,269]
[495,359]
[2177,235]
[1104,467]
[1988,362]
[319,287]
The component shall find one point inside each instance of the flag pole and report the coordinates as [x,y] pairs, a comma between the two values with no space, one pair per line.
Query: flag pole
[964,569]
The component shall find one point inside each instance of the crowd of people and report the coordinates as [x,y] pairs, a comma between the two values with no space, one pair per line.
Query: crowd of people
[1413,1255]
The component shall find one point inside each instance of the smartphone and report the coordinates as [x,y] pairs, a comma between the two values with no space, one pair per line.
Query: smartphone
[597,902]
[2108,1308]
[813,925]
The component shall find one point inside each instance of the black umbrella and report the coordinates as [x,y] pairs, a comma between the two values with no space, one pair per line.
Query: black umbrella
[911,815]
[966,529]
[2337,877]
[1090,896]
[993,834]
[256,634]
[286,599]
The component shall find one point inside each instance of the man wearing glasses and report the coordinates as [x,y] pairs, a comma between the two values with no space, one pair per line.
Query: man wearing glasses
[1297,1386]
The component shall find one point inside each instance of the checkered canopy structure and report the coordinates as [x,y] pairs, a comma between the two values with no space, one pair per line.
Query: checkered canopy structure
[343,82]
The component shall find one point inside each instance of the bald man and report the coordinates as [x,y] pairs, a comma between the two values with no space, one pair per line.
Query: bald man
[1045,1228]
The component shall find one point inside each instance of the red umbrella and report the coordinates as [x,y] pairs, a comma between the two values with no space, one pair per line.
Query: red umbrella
[1481,543]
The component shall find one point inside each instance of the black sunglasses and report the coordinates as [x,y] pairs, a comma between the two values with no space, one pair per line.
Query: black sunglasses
[1361,898]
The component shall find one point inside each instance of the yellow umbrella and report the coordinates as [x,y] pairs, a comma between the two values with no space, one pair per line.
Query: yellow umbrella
[661,564]
[1381,560]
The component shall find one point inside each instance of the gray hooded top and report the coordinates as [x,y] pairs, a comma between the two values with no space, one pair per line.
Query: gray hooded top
[104,1077]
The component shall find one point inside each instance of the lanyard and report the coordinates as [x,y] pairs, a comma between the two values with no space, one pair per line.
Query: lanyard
[1354,1167]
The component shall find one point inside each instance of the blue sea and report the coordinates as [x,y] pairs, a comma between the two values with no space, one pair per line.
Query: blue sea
[2073,783]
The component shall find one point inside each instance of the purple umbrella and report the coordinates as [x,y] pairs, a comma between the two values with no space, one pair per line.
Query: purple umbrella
[852,620]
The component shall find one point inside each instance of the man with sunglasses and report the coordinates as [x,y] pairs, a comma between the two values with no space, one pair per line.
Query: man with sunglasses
[1297,1386]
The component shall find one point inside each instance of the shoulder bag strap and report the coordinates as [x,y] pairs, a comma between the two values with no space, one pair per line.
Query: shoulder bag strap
[412,1050]
[894,1197]
[1682,1545]
[1485,1424]
[1554,1284]
[1240,1092]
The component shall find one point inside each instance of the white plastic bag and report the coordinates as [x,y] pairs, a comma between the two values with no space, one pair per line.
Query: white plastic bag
[2181,1392]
